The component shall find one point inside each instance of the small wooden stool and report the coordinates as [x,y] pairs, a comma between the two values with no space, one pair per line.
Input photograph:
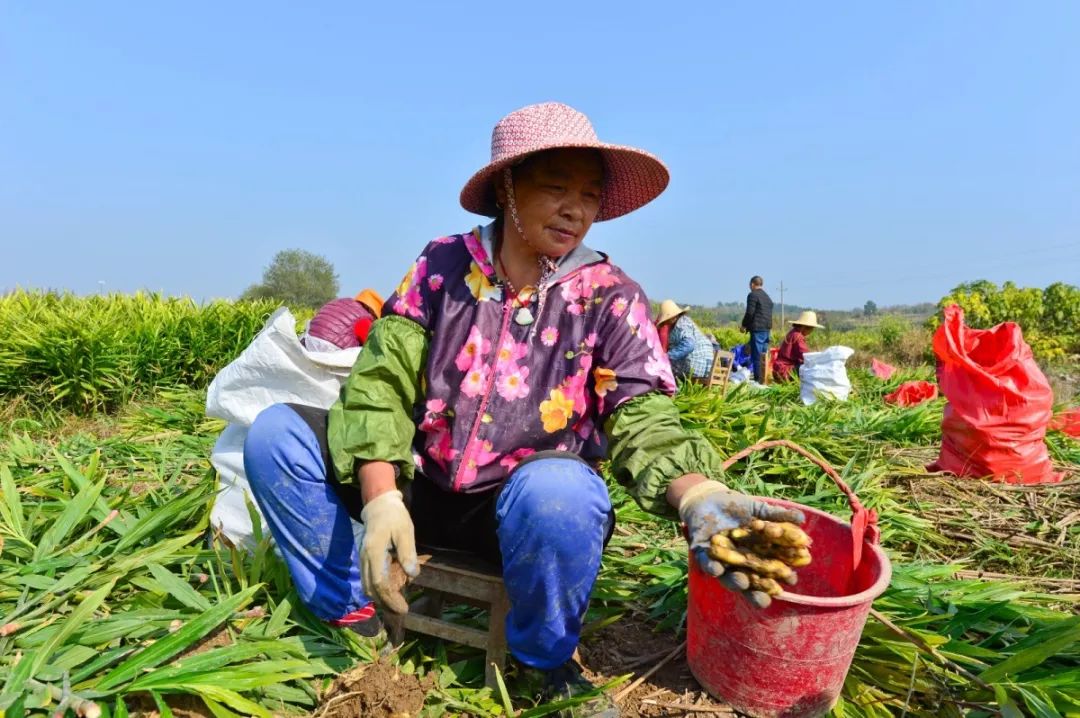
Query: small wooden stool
[461,578]
[720,373]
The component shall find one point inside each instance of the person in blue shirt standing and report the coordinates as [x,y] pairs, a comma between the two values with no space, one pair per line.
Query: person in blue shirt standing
[758,321]
[689,349]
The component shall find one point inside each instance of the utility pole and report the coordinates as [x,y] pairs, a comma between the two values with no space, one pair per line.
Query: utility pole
[782,317]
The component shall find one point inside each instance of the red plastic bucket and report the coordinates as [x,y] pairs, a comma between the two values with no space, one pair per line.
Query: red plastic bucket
[790,659]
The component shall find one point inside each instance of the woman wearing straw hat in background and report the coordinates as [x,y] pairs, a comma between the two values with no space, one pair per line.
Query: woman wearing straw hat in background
[528,356]
[789,356]
[689,349]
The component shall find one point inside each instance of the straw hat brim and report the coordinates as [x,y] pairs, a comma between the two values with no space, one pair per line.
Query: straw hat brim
[806,324]
[661,318]
[632,179]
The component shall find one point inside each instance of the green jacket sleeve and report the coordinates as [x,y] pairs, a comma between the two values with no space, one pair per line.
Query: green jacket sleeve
[649,448]
[372,420]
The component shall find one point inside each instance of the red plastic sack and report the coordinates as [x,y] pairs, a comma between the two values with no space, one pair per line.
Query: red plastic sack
[882,370]
[1067,422]
[999,403]
[912,393]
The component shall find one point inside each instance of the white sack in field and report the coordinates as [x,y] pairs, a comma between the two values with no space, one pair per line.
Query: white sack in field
[823,375]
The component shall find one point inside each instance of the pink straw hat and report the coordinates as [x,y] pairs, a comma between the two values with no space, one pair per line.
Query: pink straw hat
[632,177]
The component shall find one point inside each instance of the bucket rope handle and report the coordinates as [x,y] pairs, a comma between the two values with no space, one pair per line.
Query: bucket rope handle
[863,520]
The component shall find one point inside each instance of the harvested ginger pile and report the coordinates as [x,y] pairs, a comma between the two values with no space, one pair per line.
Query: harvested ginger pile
[762,555]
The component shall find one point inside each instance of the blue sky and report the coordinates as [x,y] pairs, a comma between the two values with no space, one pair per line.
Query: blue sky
[856,151]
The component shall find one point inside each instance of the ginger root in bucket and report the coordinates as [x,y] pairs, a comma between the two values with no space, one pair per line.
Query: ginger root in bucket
[763,554]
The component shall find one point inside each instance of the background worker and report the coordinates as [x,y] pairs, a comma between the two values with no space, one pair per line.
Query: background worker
[343,323]
[689,349]
[790,356]
[758,321]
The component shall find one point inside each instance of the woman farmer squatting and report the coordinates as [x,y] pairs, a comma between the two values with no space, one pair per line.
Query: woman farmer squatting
[526,356]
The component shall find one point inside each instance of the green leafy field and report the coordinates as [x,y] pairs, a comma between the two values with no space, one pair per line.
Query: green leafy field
[86,354]
[111,593]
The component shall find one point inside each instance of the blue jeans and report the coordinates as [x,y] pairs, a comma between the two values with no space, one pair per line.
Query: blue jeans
[287,472]
[550,521]
[759,348]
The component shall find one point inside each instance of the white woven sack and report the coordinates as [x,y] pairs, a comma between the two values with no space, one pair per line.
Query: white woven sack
[824,375]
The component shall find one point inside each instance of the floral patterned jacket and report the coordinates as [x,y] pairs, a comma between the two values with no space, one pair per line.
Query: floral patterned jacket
[505,376]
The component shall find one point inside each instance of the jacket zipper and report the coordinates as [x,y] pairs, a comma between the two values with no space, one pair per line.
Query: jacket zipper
[508,307]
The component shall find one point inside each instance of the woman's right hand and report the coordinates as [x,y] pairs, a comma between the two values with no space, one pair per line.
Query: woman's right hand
[387,525]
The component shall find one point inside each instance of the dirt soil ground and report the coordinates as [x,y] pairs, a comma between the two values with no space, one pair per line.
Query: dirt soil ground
[630,645]
[141,705]
[182,706]
[375,689]
[378,690]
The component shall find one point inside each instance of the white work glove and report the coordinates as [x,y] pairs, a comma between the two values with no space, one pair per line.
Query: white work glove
[709,508]
[387,525]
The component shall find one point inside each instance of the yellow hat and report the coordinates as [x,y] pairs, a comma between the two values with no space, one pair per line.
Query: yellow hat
[371,299]
[807,319]
[669,310]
